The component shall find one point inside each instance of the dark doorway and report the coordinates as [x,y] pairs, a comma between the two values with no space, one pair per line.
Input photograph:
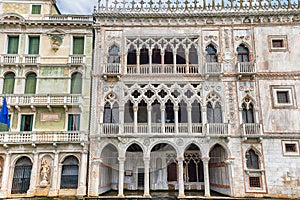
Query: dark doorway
[141,177]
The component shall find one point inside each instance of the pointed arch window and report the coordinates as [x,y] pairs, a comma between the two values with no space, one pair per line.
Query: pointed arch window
[30,84]
[248,113]
[196,112]
[156,56]
[169,112]
[9,83]
[252,159]
[129,115]
[180,56]
[69,173]
[156,113]
[76,83]
[142,112]
[193,55]
[243,53]
[144,56]
[111,113]
[113,54]
[182,112]
[214,112]
[169,55]
[131,56]
[211,54]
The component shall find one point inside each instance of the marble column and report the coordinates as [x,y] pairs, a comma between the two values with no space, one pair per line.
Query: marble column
[149,109]
[83,170]
[180,177]
[54,190]
[163,120]
[176,108]
[3,191]
[34,174]
[205,161]
[147,177]
[135,118]
[94,179]
[121,176]
[229,162]
[189,118]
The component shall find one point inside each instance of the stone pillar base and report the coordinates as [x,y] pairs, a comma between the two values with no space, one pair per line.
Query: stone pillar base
[147,195]
[121,195]
[53,193]
[3,193]
[181,195]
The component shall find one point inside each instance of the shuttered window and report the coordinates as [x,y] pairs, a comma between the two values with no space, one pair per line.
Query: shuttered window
[9,83]
[74,122]
[30,85]
[76,83]
[26,122]
[13,45]
[34,45]
[36,9]
[78,45]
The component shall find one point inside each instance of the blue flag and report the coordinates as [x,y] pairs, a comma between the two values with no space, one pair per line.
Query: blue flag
[4,118]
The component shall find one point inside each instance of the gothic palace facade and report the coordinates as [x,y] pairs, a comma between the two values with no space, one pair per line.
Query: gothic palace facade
[199,96]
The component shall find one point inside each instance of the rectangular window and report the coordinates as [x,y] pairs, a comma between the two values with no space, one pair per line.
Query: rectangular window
[26,122]
[277,43]
[78,45]
[34,45]
[283,97]
[74,122]
[290,147]
[254,181]
[36,9]
[13,45]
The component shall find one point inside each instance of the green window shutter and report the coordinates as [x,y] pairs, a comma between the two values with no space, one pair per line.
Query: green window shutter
[34,45]
[30,84]
[78,45]
[76,83]
[26,122]
[22,122]
[13,45]
[36,9]
[9,83]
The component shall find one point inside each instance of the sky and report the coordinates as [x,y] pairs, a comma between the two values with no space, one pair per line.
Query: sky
[80,7]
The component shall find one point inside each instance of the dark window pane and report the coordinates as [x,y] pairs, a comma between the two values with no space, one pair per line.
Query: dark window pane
[26,122]
[13,45]
[283,97]
[34,45]
[36,9]
[78,45]
[76,83]
[277,43]
[9,83]
[74,122]
[30,84]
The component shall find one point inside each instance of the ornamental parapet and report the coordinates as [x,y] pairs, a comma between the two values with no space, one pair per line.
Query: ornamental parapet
[194,6]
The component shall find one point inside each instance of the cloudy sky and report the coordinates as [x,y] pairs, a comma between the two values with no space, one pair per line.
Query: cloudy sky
[76,6]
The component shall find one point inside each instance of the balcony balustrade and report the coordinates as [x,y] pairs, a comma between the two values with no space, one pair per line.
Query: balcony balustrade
[213,69]
[10,59]
[112,68]
[246,69]
[72,18]
[31,59]
[42,100]
[107,129]
[163,69]
[77,60]
[42,137]
[217,129]
[251,129]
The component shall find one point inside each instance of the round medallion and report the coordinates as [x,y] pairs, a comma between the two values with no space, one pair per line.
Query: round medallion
[179,142]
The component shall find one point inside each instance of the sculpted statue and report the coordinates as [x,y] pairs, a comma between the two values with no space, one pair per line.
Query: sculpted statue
[45,171]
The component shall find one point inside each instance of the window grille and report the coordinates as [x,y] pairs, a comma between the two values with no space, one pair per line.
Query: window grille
[254,181]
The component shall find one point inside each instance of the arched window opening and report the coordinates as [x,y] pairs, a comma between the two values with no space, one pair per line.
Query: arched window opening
[113,54]
[142,112]
[144,56]
[111,114]
[180,56]
[69,173]
[243,53]
[211,54]
[247,113]
[252,159]
[193,55]
[131,56]
[156,56]
[76,83]
[169,55]
[30,84]
[214,114]
[182,112]
[9,83]
[156,113]
[22,174]
[196,112]
[129,116]
[169,112]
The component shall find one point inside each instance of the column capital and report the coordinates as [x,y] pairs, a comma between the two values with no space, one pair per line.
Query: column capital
[146,158]
[205,159]
[121,159]
[180,159]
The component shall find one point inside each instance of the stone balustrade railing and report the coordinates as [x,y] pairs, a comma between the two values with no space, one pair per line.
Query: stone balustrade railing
[193,6]
[41,99]
[163,69]
[60,18]
[246,67]
[251,129]
[36,137]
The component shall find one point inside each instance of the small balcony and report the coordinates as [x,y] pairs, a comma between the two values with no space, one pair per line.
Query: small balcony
[42,137]
[251,130]
[213,69]
[40,100]
[10,59]
[31,59]
[246,69]
[110,129]
[76,60]
[217,129]
[163,69]
[111,70]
